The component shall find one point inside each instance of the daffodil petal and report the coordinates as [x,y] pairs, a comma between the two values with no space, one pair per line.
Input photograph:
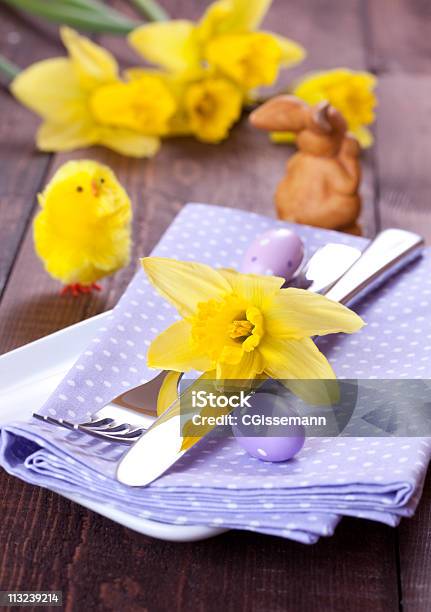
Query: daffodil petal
[65,136]
[50,89]
[168,392]
[297,359]
[170,44]
[291,52]
[364,136]
[144,105]
[185,283]
[253,287]
[231,16]
[250,59]
[212,105]
[296,313]
[351,92]
[282,137]
[303,369]
[172,350]
[128,142]
[93,64]
[231,354]
[248,368]
[137,73]
[249,14]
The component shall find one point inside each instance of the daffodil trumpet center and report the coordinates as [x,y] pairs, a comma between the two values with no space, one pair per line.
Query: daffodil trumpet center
[206,106]
[225,330]
[240,330]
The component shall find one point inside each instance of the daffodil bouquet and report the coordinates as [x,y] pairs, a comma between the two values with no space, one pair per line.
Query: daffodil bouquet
[204,73]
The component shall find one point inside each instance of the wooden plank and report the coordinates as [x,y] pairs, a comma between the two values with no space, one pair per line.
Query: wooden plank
[399,35]
[235,571]
[39,533]
[415,554]
[22,169]
[403,149]
[399,49]
[101,565]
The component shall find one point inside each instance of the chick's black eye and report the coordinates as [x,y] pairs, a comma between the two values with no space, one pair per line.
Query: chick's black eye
[102,180]
[79,189]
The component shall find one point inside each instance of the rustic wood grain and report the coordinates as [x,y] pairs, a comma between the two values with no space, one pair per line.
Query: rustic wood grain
[49,542]
[415,554]
[235,571]
[399,35]
[400,51]
[22,169]
[404,176]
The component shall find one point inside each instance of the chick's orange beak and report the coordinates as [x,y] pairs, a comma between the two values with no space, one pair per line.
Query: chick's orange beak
[95,188]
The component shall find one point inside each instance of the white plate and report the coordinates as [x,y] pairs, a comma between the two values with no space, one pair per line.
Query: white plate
[29,374]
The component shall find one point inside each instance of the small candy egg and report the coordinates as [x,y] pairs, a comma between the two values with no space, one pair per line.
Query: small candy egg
[277,252]
[272,449]
[268,442]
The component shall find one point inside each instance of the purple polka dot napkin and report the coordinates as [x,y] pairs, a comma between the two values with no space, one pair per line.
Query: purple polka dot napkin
[216,483]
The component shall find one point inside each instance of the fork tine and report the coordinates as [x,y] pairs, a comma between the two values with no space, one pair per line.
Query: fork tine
[122,438]
[106,429]
[121,429]
[113,428]
[98,422]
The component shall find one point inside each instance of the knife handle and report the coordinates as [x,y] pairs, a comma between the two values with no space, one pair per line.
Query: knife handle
[387,254]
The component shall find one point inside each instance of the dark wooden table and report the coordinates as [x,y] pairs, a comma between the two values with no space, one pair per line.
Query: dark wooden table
[47,542]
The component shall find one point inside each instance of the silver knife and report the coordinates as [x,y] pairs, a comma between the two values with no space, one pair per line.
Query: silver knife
[161,446]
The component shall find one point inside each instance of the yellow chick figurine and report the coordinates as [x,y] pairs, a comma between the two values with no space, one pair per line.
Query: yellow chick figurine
[83,230]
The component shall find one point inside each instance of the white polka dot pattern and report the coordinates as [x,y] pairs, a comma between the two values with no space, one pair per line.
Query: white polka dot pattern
[216,483]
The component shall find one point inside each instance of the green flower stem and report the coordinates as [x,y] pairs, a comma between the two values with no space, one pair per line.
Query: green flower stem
[151,10]
[86,15]
[8,69]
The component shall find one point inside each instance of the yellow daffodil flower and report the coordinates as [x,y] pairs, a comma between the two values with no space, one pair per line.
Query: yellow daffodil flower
[83,102]
[211,106]
[206,107]
[225,38]
[350,92]
[168,392]
[241,325]
[145,105]
[251,59]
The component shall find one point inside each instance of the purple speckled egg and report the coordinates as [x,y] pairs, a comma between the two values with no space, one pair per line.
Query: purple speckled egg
[277,252]
[258,432]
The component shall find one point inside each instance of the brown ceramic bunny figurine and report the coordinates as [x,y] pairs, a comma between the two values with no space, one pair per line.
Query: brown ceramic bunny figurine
[321,184]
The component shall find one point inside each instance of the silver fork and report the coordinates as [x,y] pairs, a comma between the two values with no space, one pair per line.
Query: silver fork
[137,405]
